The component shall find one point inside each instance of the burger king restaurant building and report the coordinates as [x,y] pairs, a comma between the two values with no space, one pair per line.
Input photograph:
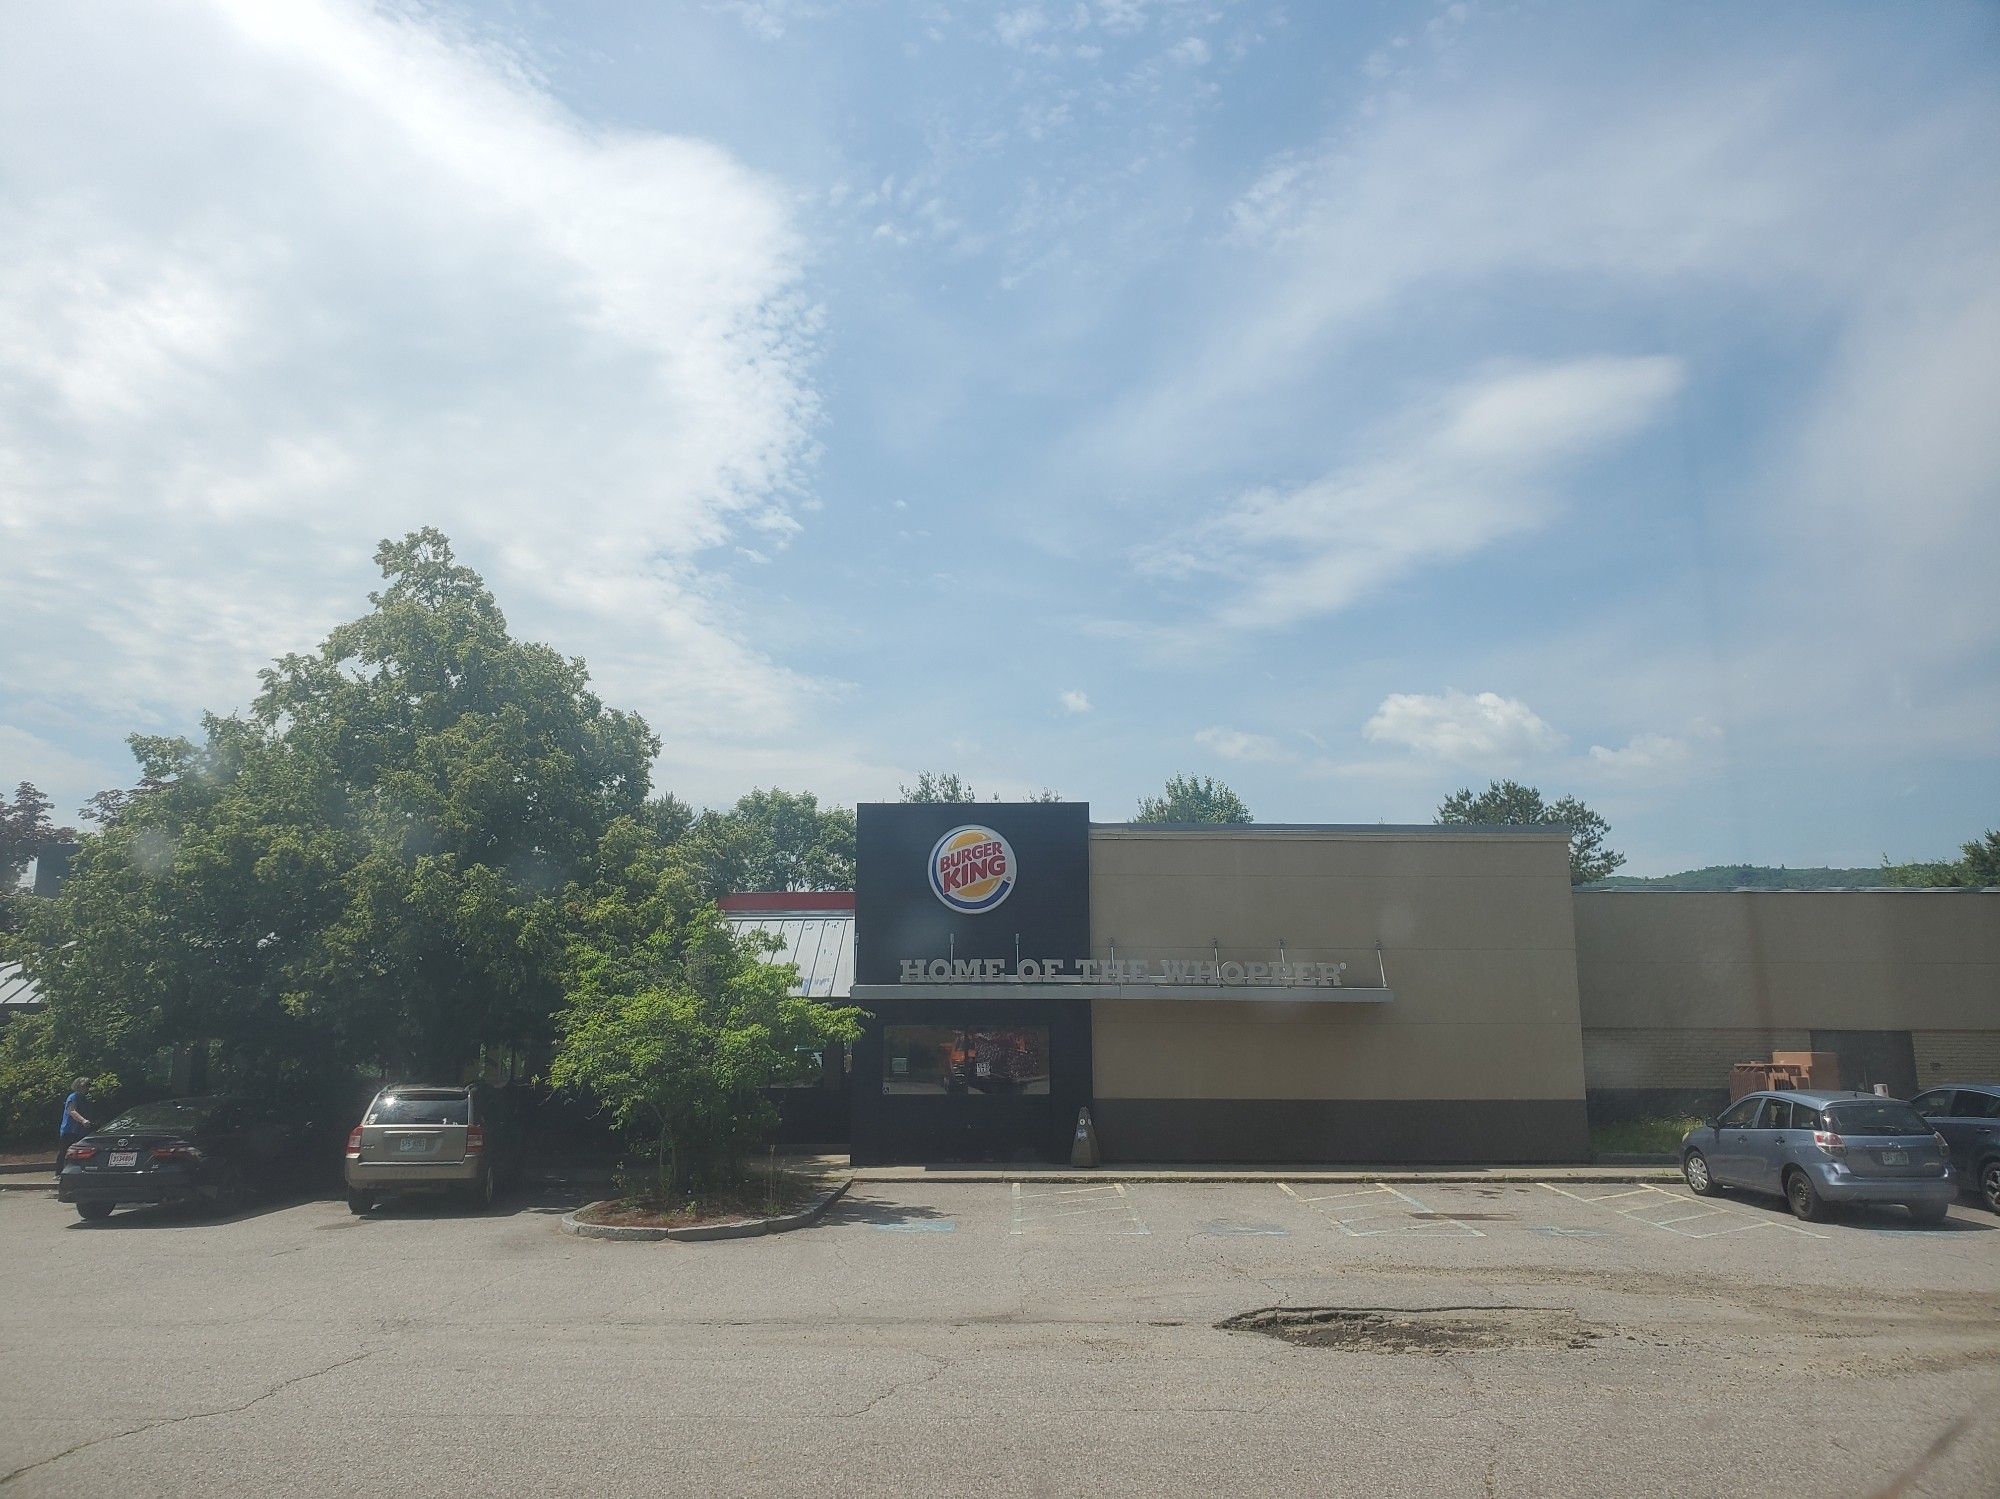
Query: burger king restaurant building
[1291,993]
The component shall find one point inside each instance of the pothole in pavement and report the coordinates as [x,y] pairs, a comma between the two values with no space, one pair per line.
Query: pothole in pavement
[1458,1329]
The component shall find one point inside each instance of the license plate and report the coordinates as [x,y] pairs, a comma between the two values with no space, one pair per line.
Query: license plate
[411,1146]
[1895,1158]
[124,1158]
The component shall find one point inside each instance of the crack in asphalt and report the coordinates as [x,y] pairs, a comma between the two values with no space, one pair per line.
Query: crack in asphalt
[939,1365]
[226,1410]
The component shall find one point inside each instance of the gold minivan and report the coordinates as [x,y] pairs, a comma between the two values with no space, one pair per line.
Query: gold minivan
[457,1141]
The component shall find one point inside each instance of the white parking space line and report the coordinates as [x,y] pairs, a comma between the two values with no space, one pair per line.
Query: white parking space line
[1042,1207]
[1377,1209]
[1634,1205]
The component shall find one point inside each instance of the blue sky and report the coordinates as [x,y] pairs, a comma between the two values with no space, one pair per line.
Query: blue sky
[1354,402]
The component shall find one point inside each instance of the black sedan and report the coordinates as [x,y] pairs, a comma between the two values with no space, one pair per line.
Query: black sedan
[214,1152]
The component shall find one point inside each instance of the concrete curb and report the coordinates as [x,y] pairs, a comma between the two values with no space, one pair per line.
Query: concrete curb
[27,1184]
[749,1228]
[872,1174]
[1637,1158]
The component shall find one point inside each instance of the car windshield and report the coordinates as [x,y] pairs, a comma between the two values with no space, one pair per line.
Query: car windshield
[420,1108]
[1885,1118]
[175,1113]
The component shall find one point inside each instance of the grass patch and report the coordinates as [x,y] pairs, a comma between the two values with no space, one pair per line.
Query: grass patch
[763,1195]
[1641,1136]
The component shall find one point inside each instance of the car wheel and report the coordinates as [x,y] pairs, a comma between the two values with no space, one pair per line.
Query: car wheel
[1989,1186]
[1695,1169]
[1929,1212]
[93,1211]
[359,1203]
[1804,1198]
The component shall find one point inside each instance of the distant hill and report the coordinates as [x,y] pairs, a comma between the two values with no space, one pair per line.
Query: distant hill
[1749,877]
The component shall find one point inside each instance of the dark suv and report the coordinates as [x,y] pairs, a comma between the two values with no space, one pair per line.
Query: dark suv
[1968,1116]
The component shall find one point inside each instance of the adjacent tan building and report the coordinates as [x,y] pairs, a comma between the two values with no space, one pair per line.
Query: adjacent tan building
[1902,985]
[1476,1053]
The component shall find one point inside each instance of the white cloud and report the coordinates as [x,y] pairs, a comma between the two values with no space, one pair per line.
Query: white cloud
[1644,755]
[1236,744]
[1463,728]
[1074,702]
[1452,477]
[1777,204]
[283,280]
[1019,28]
[67,779]
[1656,758]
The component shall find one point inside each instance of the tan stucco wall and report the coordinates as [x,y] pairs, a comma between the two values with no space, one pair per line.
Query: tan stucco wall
[1789,960]
[1477,936]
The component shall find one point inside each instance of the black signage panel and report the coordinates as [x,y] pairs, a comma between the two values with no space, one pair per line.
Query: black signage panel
[970,881]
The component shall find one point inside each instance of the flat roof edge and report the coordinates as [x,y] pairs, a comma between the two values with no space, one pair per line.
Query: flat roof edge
[1335,829]
[1797,890]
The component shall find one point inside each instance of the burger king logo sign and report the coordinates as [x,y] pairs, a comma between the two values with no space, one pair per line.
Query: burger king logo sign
[972,869]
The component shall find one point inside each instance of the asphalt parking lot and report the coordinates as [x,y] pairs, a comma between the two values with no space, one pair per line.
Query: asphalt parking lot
[1013,1337]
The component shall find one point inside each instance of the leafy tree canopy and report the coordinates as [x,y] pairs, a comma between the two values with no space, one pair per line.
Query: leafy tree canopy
[937,786]
[1978,866]
[934,786]
[777,840]
[1190,798]
[367,866]
[26,833]
[1511,803]
[675,1025]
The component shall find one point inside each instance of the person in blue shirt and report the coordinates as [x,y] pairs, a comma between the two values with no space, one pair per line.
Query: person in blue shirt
[74,1125]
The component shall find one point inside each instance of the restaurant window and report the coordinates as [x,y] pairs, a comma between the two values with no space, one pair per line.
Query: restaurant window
[982,1062]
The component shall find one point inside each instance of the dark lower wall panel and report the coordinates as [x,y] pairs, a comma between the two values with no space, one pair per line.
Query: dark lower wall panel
[1296,1131]
[1619,1105]
[810,1116]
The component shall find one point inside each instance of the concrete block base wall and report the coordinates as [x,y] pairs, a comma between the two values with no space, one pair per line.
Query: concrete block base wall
[1958,1056]
[1352,1131]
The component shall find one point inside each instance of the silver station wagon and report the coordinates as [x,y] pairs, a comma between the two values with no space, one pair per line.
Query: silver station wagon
[1819,1149]
[458,1141]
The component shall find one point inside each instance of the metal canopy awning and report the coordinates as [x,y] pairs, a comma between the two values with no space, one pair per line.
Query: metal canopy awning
[1310,994]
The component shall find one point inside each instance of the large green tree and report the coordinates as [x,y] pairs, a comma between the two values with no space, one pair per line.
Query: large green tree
[677,1026]
[364,868]
[194,916]
[1513,804]
[1191,798]
[785,840]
